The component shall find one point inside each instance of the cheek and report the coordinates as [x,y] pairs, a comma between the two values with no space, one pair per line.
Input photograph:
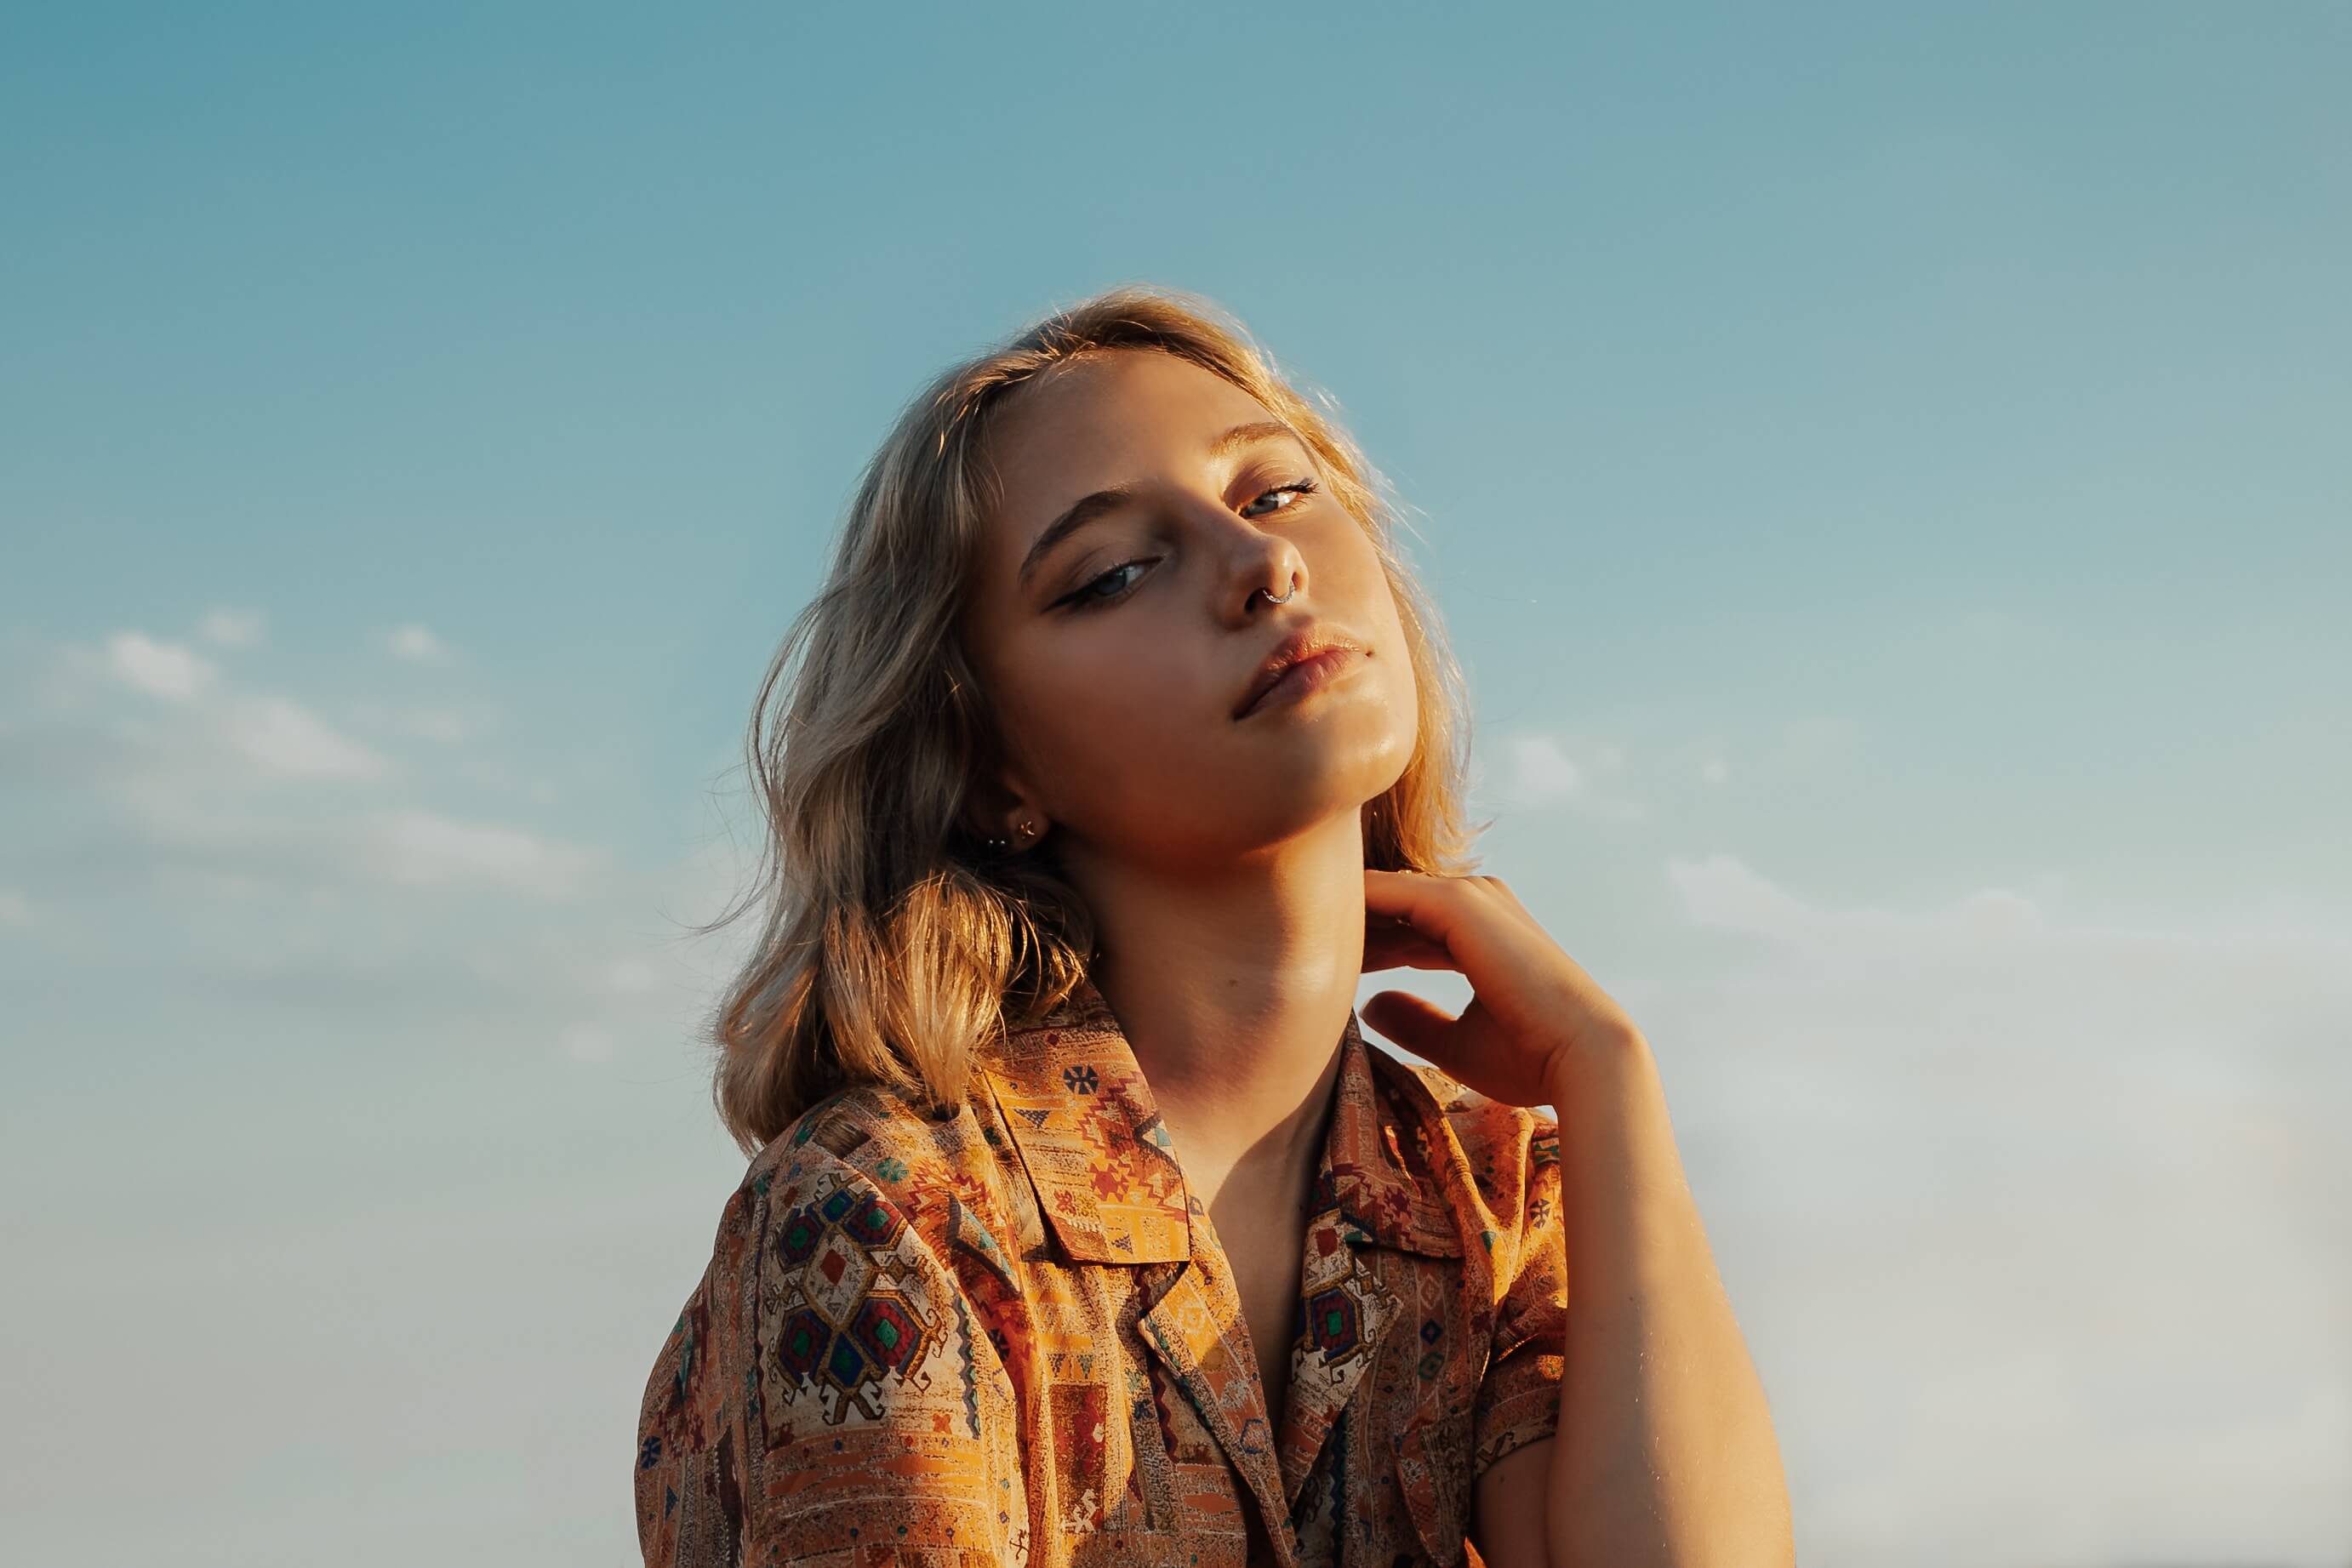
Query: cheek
[1403,689]
[1371,605]
[1383,625]
[1107,716]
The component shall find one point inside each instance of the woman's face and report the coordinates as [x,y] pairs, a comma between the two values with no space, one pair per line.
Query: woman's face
[1116,652]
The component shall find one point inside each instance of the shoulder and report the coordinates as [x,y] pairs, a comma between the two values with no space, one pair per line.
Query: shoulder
[843,1327]
[875,1135]
[877,1254]
[874,1132]
[865,1161]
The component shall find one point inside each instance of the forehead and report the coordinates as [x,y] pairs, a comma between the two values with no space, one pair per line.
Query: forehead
[1098,421]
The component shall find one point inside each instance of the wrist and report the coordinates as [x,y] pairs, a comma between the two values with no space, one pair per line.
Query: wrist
[1592,1067]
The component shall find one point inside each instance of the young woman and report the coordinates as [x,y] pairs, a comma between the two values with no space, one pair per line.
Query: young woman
[1083,1224]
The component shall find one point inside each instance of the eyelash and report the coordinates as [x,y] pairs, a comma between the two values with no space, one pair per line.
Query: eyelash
[1084,599]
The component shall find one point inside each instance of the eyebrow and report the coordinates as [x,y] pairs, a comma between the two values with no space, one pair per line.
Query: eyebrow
[1087,509]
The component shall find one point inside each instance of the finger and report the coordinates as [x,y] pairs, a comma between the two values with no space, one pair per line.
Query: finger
[1497,885]
[1431,905]
[1414,1022]
[1388,935]
[1401,940]
[1418,956]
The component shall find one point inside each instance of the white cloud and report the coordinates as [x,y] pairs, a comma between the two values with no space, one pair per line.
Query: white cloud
[417,644]
[206,737]
[586,1042]
[1723,893]
[632,977]
[1539,771]
[422,849]
[281,737]
[159,838]
[158,669]
[244,962]
[2027,1193]
[230,628]
[445,725]
[206,796]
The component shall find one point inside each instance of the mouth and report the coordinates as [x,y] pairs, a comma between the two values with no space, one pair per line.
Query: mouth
[1297,678]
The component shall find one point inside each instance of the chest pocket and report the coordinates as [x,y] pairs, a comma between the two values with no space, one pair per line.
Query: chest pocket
[1434,1474]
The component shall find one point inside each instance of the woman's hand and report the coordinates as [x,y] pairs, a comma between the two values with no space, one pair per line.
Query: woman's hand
[1536,1020]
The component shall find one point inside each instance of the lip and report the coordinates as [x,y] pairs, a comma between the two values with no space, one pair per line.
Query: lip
[1318,654]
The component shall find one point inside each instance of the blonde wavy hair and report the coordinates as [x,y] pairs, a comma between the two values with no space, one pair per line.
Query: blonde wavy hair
[894,945]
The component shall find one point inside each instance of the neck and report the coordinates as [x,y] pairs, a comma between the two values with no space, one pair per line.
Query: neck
[1234,991]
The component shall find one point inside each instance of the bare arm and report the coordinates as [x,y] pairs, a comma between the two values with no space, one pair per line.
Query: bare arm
[1665,1456]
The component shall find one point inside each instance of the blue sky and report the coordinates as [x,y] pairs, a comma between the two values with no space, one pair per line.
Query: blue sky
[1883,468]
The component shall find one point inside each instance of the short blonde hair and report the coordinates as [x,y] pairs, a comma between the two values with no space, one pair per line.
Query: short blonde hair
[894,944]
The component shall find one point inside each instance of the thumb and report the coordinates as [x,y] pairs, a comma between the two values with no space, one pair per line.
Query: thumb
[1414,1022]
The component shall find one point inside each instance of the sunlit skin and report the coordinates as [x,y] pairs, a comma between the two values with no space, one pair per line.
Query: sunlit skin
[1223,858]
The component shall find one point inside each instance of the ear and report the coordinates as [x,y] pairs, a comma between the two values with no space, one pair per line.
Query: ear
[997,807]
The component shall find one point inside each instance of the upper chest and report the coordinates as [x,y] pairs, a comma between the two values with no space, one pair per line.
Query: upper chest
[1264,1377]
[1263,1243]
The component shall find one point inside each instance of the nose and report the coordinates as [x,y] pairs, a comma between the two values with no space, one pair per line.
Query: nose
[1260,565]
[1271,596]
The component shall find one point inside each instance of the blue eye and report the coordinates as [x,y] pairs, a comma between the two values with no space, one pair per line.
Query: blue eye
[1302,488]
[1085,598]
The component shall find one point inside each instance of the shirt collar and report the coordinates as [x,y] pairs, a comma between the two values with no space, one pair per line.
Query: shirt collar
[1094,1147]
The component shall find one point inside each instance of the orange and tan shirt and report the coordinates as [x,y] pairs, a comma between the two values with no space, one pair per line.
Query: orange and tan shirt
[1010,1336]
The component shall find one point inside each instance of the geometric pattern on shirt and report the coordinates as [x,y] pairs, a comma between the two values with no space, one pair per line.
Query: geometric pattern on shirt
[1046,1362]
[852,1314]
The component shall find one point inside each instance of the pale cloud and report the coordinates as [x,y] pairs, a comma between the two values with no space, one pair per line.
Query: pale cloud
[631,977]
[586,1042]
[284,738]
[205,732]
[1713,771]
[246,947]
[445,725]
[2026,1194]
[215,793]
[417,644]
[230,628]
[219,845]
[1722,892]
[158,669]
[1725,893]
[1539,770]
[422,849]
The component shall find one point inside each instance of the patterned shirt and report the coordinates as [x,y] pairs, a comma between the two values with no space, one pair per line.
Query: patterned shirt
[1009,1336]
